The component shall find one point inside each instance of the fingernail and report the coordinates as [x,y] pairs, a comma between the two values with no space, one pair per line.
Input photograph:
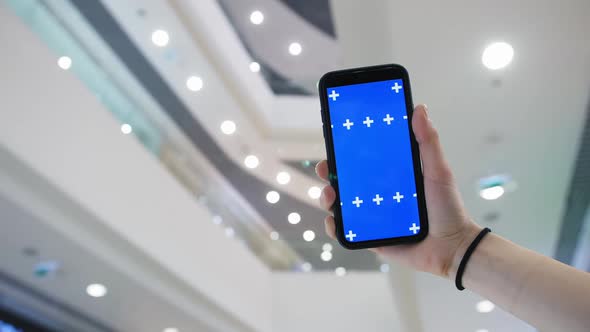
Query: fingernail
[426,110]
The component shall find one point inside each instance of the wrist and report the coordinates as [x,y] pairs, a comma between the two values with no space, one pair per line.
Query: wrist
[469,234]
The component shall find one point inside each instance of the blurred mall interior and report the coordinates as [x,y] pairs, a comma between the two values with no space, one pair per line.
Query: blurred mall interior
[157,158]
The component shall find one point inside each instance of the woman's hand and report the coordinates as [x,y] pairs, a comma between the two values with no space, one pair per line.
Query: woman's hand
[451,229]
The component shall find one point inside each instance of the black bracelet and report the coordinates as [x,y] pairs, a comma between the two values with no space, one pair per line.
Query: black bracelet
[465,258]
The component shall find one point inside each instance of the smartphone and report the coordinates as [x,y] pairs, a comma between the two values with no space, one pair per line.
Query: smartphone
[373,156]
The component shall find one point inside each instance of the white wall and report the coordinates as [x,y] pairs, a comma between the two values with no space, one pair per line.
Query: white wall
[51,122]
[324,302]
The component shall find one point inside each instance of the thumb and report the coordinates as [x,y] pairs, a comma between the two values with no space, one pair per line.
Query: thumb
[435,166]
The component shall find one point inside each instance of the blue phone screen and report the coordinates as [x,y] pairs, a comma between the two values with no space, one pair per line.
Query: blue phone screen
[371,137]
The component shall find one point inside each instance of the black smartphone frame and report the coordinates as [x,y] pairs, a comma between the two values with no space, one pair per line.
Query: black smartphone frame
[366,75]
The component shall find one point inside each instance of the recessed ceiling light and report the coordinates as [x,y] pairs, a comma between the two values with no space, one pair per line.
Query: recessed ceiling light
[295,48]
[283,177]
[194,83]
[251,161]
[294,218]
[384,268]
[308,235]
[326,256]
[274,235]
[340,271]
[492,193]
[497,55]
[272,197]
[327,247]
[254,67]
[229,232]
[96,290]
[171,329]
[126,128]
[228,127]
[64,62]
[160,38]
[482,330]
[484,306]
[314,192]
[256,17]
[306,267]
[217,220]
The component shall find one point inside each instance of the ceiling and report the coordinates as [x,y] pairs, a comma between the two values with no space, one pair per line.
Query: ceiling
[480,114]
[524,121]
[182,108]
[290,21]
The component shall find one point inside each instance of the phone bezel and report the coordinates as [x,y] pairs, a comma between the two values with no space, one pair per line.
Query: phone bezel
[367,75]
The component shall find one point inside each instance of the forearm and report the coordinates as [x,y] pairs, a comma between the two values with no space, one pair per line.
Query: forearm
[548,294]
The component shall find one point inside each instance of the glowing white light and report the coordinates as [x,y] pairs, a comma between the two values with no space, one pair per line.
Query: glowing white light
[306,267]
[64,62]
[194,83]
[217,220]
[326,256]
[256,17]
[492,193]
[229,232]
[228,127]
[484,306]
[283,177]
[327,247]
[340,271]
[308,235]
[251,161]
[160,38]
[96,290]
[482,330]
[126,128]
[272,197]
[171,329]
[274,235]
[384,268]
[497,55]
[294,218]
[314,192]
[254,67]
[295,48]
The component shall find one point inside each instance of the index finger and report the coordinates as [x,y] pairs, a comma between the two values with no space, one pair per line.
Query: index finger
[321,169]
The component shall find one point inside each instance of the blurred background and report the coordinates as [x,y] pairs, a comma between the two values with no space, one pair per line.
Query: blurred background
[157,158]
